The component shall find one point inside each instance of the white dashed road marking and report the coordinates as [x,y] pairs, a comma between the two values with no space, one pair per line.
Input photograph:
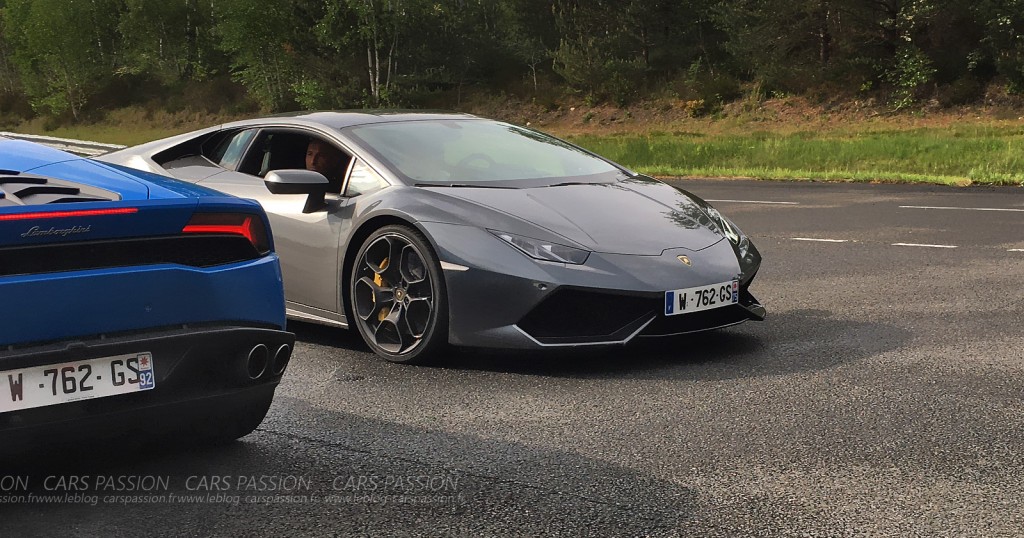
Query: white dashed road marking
[922,245]
[821,240]
[755,202]
[963,208]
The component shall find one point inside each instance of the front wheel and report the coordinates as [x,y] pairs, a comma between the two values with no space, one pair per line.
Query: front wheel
[398,296]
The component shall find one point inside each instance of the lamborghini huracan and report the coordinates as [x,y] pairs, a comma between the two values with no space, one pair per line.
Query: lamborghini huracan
[425,229]
[128,305]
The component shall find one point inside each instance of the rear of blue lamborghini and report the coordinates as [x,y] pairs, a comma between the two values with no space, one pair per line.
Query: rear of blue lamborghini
[132,304]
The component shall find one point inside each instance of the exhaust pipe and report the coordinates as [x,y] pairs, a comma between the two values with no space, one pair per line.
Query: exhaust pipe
[256,363]
[281,358]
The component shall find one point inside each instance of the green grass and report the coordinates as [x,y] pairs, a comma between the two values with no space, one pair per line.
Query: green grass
[957,155]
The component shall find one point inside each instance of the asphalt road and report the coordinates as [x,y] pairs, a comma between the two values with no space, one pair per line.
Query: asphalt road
[882,397]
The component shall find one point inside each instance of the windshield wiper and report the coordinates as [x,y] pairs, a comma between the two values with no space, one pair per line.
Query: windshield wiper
[463,185]
[568,183]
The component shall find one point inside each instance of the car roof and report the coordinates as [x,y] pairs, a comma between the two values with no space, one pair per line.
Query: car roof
[339,119]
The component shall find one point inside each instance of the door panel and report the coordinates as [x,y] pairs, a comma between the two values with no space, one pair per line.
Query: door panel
[307,243]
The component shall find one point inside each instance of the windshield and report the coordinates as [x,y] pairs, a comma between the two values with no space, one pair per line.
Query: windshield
[480,152]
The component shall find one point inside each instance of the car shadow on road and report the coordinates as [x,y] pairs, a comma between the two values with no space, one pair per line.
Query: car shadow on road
[387,479]
[788,342]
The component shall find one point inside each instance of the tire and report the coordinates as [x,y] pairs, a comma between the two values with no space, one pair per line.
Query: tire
[400,309]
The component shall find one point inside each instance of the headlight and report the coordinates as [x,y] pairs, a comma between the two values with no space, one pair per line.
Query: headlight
[544,250]
[728,228]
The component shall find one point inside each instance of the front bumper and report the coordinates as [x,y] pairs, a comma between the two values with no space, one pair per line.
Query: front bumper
[498,297]
[200,373]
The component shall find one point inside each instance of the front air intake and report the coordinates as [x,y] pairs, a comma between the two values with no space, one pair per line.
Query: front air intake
[574,313]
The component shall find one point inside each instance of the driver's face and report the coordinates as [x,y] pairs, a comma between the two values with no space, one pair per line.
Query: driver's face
[323,158]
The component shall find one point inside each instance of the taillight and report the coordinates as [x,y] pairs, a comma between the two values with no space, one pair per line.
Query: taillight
[248,226]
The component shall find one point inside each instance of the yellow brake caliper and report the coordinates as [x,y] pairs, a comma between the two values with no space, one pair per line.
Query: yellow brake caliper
[379,281]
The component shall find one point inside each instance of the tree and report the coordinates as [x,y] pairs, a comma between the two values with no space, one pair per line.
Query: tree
[529,33]
[172,39]
[1002,46]
[62,50]
[785,43]
[269,44]
[902,27]
[466,42]
[10,83]
[602,47]
[610,49]
[376,27]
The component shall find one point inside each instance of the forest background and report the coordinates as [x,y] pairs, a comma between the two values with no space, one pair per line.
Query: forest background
[927,90]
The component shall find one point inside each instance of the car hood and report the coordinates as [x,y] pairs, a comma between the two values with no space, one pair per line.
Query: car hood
[637,216]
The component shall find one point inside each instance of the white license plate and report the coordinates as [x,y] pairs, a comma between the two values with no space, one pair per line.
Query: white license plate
[689,300]
[53,384]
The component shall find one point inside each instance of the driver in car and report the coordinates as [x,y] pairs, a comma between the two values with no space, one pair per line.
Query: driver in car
[328,160]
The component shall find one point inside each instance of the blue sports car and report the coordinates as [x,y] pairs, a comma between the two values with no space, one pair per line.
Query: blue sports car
[131,303]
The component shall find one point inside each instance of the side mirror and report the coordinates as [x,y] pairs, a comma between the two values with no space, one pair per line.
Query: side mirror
[300,182]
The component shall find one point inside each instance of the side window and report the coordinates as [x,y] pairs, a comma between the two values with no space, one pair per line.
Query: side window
[293,149]
[275,150]
[228,152]
[363,180]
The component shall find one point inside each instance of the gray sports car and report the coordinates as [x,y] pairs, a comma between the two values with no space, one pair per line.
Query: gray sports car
[424,229]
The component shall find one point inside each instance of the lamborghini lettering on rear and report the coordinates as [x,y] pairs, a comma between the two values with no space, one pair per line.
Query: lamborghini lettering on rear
[36,231]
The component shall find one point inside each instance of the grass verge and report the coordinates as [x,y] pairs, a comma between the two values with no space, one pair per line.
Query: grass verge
[950,155]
